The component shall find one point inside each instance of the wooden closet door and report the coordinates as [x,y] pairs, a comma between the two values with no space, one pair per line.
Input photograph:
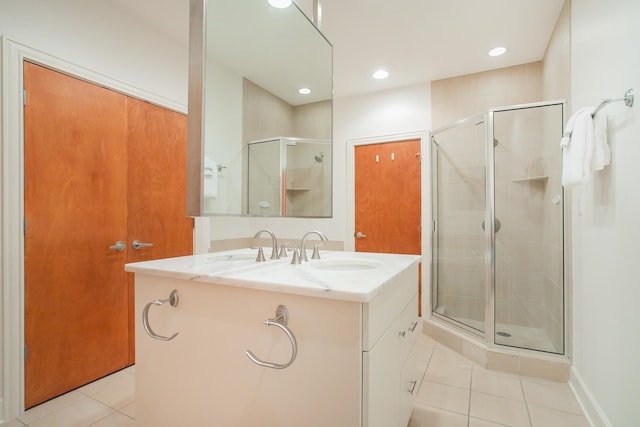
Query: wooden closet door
[157,147]
[75,201]
[100,167]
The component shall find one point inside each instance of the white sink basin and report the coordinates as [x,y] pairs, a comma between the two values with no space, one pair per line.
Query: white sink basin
[345,264]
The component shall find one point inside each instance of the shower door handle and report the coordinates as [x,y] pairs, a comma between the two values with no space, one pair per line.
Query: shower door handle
[497,225]
[360,235]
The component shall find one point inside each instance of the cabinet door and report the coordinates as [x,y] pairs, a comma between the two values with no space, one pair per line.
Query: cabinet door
[381,379]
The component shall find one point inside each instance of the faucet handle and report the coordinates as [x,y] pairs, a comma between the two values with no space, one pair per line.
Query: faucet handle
[260,257]
[316,251]
[283,250]
[295,259]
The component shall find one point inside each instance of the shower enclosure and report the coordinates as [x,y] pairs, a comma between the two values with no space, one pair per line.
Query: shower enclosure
[498,240]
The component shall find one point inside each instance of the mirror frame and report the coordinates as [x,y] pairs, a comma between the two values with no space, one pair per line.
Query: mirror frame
[195,139]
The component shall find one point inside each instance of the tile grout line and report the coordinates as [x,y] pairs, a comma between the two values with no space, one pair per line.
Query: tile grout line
[526,404]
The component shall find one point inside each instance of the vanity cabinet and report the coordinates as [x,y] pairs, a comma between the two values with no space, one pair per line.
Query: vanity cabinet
[352,368]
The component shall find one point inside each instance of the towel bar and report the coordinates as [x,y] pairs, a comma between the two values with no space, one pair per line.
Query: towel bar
[173,301]
[281,319]
[628,101]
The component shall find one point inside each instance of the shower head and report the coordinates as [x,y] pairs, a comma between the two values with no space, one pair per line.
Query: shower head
[319,157]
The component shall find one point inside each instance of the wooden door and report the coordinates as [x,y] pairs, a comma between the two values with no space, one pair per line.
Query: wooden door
[387,198]
[76,301]
[157,147]
[100,167]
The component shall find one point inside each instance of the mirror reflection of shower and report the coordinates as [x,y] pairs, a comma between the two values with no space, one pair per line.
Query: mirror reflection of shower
[289,177]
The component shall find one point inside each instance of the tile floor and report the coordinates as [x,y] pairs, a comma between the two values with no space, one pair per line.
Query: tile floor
[454,392]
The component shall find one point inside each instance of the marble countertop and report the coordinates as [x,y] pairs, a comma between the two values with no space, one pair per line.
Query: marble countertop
[347,276]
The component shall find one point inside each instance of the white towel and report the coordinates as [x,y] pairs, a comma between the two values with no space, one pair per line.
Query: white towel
[577,144]
[601,150]
[210,178]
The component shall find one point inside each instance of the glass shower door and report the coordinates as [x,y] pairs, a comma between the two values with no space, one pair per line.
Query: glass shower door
[529,285]
[458,178]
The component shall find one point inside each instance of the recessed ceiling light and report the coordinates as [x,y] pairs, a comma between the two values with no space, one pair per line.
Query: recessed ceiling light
[280,4]
[497,51]
[304,91]
[380,74]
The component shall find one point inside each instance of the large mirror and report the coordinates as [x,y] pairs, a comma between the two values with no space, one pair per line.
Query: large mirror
[258,74]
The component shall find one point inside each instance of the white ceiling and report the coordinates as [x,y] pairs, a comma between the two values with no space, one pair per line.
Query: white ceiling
[417,41]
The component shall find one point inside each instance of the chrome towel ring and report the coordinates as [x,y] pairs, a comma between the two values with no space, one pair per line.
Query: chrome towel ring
[281,319]
[173,301]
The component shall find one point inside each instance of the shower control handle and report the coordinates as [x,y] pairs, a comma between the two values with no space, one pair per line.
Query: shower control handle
[497,225]
[360,235]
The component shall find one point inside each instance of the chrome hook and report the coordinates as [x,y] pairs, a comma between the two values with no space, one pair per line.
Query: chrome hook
[281,319]
[173,302]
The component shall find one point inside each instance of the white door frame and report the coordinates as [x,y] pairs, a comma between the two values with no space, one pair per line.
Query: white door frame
[425,201]
[13,54]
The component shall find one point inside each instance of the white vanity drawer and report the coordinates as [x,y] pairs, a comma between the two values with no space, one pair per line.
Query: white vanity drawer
[410,325]
[378,314]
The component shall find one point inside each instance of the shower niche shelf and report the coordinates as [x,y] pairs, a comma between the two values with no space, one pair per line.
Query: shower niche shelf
[542,178]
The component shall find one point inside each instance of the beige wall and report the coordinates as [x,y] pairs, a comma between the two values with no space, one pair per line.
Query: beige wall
[459,97]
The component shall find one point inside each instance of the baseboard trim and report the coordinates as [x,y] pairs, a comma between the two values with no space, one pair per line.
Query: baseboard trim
[592,410]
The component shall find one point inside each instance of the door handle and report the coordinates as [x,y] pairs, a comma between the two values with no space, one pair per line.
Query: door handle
[360,235]
[119,246]
[497,226]
[137,244]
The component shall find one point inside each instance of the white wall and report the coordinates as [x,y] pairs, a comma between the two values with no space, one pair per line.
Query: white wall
[98,36]
[606,233]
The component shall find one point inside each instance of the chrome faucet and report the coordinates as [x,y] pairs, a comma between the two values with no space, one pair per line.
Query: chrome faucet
[274,245]
[303,251]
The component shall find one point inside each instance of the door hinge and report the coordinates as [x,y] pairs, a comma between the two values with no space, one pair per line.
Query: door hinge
[24,97]
[26,353]
[24,226]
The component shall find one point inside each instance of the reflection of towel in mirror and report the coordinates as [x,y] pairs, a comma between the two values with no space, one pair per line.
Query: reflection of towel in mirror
[577,144]
[601,150]
[210,178]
